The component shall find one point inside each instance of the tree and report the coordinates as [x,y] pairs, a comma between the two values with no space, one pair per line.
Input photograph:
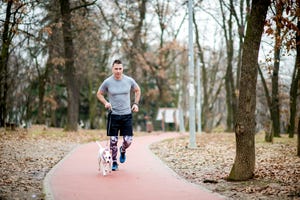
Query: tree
[70,70]
[48,75]
[298,145]
[93,44]
[208,77]
[273,96]
[274,109]
[134,43]
[49,42]
[16,32]
[294,90]
[230,29]
[9,31]
[42,74]
[233,19]
[285,39]
[244,163]
[295,85]
[156,57]
[229,79]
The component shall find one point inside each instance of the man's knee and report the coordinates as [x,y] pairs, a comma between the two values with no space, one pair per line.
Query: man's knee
[113,140]
[128,139]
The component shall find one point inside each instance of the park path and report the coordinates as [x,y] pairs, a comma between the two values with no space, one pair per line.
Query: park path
[142,177]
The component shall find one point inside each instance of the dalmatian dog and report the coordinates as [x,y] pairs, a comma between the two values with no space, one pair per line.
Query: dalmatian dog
[104,160]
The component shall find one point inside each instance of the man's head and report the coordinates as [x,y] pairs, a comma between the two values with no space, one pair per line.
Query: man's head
[117,69]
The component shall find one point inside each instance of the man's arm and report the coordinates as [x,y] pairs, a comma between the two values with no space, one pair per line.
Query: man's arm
[137,96]
[100,96]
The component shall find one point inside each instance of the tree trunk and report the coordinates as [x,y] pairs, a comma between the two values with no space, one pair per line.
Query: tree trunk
[4,65]
[269,133]
[241,30]
[42,77]
[244,164]
[275,115]
[136,46]
[229,80]
[294,88]
[273,99]
[293,96]
[42,90]
[92,105]
[69,71]
[204,79]
[275,95]
[298,146]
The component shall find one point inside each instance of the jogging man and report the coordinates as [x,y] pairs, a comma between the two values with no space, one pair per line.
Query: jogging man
[118,87]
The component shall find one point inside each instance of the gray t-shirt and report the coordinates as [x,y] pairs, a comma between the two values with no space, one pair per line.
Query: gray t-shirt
[119,93]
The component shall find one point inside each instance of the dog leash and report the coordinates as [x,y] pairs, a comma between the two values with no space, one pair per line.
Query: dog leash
[108,124]
[108,121]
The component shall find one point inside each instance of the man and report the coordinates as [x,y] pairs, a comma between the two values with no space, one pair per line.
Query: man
[118,87]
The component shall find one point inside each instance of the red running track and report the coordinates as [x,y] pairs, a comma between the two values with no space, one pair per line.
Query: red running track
[142,177]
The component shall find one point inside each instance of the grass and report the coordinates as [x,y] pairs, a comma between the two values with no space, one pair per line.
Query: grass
[80,136]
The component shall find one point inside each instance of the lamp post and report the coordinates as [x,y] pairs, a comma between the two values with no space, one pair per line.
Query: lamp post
[191,85]
[199,65]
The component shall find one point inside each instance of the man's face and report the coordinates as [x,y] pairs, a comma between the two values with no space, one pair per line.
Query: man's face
[117,70]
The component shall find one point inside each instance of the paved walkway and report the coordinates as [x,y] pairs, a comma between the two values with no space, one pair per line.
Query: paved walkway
[142,177]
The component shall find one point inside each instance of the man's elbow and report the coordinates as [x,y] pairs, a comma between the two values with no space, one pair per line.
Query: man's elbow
[99,95]
[138,90]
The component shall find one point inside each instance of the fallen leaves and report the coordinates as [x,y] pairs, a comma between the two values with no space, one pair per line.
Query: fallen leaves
[24,162]
[277,173]
[27,155]
[26,158]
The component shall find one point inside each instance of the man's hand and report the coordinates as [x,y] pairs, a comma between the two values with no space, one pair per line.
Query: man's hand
[135,108]
[108,106]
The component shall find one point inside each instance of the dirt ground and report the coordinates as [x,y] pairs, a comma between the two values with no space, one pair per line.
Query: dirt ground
[276,176]
[27,155]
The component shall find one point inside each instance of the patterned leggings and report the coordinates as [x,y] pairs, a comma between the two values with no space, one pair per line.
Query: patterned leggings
[127,140]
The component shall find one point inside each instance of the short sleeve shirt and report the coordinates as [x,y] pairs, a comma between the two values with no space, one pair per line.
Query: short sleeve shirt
[118,92]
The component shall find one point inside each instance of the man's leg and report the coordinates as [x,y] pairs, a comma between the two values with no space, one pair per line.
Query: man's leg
[127,132]
[114,150]
[127,140]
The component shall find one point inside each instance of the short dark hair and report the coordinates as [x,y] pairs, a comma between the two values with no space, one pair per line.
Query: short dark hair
[117,61]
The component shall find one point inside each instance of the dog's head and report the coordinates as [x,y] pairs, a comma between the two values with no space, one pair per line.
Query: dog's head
[106,156]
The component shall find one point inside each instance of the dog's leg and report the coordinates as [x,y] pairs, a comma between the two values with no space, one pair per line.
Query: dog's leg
[103,169]
[110,166]
[99,164]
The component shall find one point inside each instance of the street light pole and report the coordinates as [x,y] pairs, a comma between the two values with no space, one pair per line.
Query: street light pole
[191,85]
[199,65]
